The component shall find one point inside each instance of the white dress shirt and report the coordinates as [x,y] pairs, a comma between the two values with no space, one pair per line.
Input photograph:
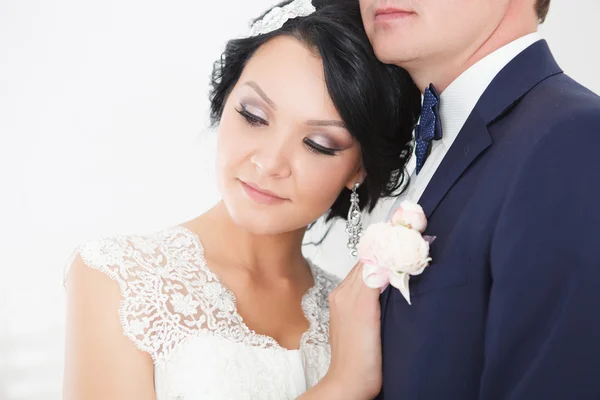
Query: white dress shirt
[456,104]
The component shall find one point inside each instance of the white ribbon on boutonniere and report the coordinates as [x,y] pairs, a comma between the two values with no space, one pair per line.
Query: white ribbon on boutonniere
[393,251]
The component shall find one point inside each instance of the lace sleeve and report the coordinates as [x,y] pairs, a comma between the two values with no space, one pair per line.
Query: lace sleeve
[157,310]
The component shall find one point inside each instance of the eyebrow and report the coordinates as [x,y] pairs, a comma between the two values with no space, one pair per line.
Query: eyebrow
[312,122]
[326,123]
[262,94]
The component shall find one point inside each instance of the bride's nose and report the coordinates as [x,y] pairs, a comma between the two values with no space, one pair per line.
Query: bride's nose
[272,158]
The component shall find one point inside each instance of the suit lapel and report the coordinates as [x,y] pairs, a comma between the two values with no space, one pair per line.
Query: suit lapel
[518,77]
[472,140]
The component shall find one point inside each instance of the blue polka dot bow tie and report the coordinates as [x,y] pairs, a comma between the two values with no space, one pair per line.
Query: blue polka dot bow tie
[429,127]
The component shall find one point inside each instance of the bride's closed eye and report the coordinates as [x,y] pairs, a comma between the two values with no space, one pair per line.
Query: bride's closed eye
[316,148]
[251,117]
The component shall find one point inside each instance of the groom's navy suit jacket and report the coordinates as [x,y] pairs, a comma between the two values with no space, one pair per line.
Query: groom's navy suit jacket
[510,307]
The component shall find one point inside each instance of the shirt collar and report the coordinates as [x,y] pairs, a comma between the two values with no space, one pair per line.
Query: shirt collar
[460,97]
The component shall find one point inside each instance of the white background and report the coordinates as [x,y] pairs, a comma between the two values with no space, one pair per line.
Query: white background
[103,129]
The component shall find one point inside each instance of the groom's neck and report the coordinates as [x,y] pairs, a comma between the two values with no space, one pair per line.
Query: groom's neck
[442,70]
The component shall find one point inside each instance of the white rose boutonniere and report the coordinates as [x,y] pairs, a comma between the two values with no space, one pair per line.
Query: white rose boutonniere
[393,251]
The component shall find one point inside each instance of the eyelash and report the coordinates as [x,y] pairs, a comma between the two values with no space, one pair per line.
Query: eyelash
[318,149]
[251,118]
[313,147]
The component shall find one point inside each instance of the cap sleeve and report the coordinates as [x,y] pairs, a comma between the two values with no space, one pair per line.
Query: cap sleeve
[156,276]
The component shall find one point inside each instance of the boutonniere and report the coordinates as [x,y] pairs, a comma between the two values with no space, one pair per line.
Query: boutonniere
[391,252]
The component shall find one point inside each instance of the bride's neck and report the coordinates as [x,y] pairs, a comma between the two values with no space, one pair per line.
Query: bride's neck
[278,254]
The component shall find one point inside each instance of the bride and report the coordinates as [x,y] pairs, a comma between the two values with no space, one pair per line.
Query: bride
[225,306]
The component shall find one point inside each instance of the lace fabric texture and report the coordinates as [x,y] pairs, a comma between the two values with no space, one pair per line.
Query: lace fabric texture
[175,308]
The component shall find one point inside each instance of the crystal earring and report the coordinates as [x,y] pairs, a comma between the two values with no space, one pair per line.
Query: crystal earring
[354,222]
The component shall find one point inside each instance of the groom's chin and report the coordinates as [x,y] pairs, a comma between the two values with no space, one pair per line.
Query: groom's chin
[390,49]
[389,53]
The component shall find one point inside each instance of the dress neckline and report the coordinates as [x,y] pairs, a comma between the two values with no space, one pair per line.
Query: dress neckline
[271,341]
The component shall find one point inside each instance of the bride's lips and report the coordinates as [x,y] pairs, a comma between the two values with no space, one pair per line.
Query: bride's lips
[391,14]
[260,195]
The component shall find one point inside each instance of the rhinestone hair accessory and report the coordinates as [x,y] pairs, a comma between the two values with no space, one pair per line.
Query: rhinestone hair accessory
[278,16]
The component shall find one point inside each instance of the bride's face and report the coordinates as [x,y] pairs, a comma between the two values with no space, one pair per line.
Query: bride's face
[284,155]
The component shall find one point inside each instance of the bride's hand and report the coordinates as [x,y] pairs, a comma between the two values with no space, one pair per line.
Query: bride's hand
[355,337]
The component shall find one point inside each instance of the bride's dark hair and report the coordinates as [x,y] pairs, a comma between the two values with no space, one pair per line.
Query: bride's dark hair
[379,104]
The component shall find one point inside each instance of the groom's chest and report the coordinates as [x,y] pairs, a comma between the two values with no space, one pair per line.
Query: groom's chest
[440,336]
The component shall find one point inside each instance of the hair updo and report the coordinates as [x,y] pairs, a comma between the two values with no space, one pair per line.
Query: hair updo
[378,103]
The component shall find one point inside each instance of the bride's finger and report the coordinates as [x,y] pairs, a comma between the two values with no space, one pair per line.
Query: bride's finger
[350,277]
[361,286]
[357,271]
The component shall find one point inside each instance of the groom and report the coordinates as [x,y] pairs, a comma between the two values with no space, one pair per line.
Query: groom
[510,183]
[508,174]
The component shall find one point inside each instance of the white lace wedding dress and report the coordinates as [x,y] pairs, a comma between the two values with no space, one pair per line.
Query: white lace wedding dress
[175,309]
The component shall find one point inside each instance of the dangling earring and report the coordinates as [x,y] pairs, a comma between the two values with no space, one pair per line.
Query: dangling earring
[354,223]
